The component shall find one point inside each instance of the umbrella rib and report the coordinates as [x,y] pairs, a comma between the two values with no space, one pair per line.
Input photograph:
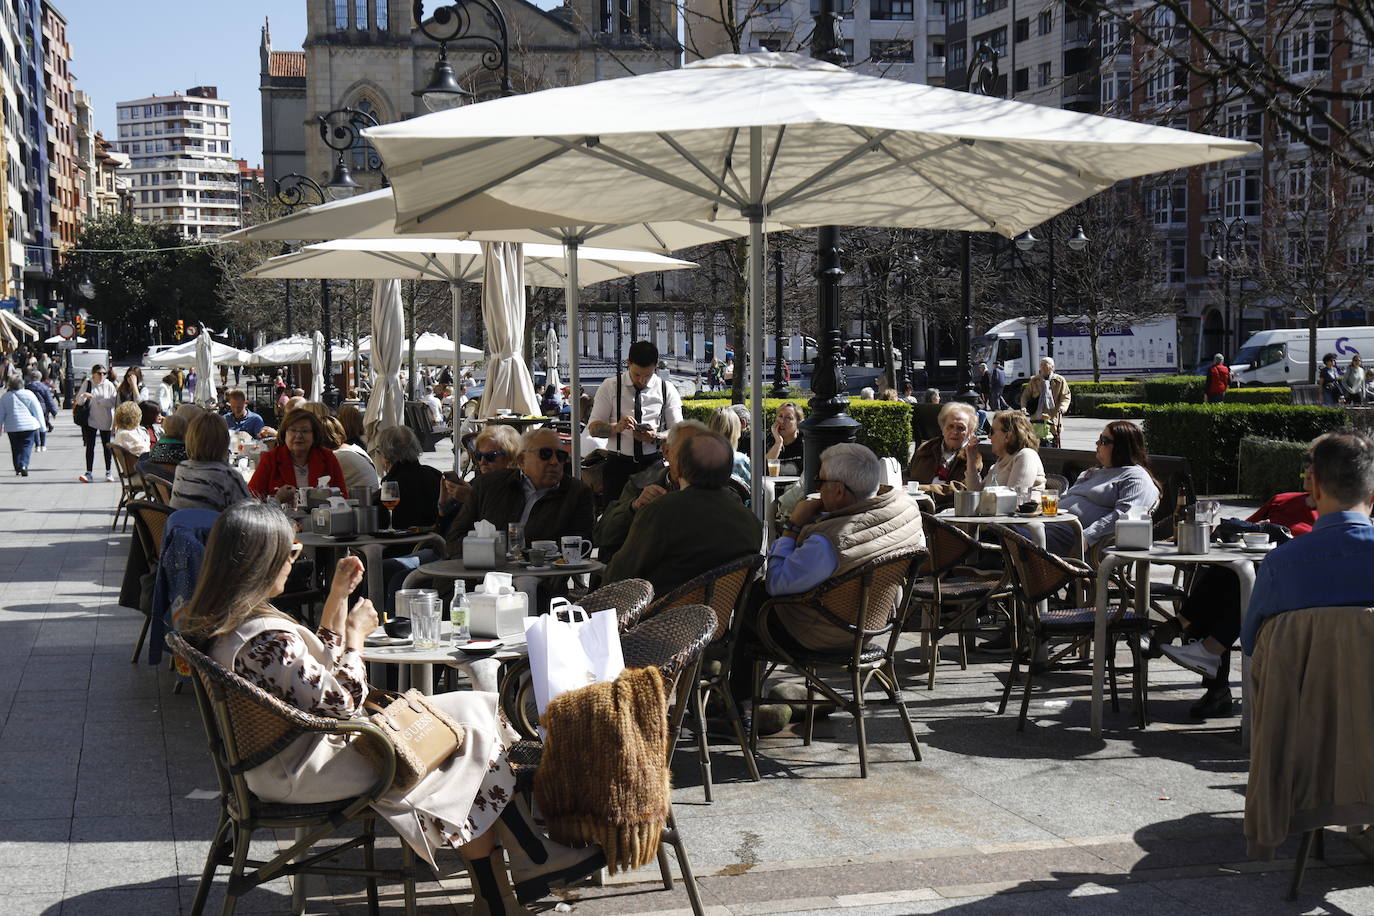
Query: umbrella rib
[897,163]
[487,185]
[697,164]
[868,146]
[632,164]
[773,156]
[393,258]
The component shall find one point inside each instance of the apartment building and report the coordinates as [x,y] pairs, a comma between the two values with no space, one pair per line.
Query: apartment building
[65,171]
[180,169]
[110,192]
[252,188]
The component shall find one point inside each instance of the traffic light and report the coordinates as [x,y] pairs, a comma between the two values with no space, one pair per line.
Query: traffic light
[180,329]
[80,327]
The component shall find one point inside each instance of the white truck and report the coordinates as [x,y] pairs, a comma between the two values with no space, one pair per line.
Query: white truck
[1280,357]
[1149,348]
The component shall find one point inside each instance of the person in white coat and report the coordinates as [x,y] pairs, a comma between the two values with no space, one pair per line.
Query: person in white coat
[21,417]
[99,396]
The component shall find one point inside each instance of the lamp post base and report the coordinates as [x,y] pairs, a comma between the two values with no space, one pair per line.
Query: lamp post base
[819,432]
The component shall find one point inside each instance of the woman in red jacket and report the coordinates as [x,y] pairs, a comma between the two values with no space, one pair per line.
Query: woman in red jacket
[299,460]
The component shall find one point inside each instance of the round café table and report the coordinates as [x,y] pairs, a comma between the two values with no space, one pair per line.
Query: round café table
[522,577]
[371,547]
[482,670]
[1035,524]
[1242,562]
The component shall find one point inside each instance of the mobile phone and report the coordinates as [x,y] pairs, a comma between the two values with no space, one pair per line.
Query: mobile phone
[452,477]
[644,427]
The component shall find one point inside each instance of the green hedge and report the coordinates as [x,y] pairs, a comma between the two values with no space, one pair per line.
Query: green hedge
[1090,403]
[1120,410]
[1209,435]
[1269,466]
[1121,389]
[886,425]
[1175,389]
[1279,395]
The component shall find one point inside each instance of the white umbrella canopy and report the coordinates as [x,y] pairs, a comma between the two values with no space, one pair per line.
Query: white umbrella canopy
[13,328]
[58,338]
[184,355]
[430,349]
[775,138]
[551,360]
[317,366]
[452,261]
[295,349]
[386,404]
[503,310]
[206,392]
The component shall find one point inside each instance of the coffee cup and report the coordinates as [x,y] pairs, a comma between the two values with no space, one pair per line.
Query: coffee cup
[575,549]
[1255,539]
[538,558]
[550,548]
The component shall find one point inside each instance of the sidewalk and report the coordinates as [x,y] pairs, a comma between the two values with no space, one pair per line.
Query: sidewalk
[106,794]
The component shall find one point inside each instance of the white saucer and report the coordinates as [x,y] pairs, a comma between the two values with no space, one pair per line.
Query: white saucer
[1265,549]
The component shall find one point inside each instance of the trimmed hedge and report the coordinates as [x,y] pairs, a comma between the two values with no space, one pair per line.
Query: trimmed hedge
[885,425]
[1270,466]
[1175,389]
[1209,435]
[1090,403]
[1121,410]
[1124,389]
[1283,395]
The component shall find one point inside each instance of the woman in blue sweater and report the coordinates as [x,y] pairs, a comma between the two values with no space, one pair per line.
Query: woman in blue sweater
[21,417]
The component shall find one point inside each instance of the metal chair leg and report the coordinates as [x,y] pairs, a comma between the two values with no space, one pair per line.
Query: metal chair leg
[212,861]
[858,712]
[810,715]
[1011,680]
[408,865]
[732,712]
[370,863]
[703,743]
[1111,674]
[1300,863]
[894,691]
[684,865]
[1025,697]
[665,870]
[142,635]
[231,895]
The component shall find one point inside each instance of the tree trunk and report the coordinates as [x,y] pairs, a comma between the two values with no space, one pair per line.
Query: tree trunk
[1313,318]
[1093,331]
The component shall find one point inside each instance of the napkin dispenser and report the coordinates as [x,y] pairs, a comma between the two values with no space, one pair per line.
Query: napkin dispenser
[997,501]
[1136,531]
[484,547]
[495,609]
[341,519]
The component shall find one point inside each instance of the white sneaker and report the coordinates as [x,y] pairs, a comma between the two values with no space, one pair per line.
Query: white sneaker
[85,478]
[109,478]
[1195,657]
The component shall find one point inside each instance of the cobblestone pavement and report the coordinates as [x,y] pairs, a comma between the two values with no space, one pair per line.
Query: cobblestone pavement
[105,804]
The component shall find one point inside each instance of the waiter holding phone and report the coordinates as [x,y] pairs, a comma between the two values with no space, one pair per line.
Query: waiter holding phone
[633,411]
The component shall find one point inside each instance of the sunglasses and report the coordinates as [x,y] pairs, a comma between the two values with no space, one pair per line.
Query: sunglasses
[821,481]
[490,456]
[296,548]
[1103,440]
[546,453]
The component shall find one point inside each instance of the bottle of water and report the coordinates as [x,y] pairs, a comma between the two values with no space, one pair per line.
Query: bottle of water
[458,613]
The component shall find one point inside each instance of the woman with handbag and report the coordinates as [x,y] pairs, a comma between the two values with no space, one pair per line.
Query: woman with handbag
[93,411]
[465,800]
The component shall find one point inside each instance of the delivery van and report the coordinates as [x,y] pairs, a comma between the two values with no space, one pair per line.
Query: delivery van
[1280,356]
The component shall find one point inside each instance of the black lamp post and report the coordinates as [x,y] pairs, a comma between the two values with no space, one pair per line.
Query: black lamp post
[293,192]
[341,130]
[779,384]
[1228,240]
[453,23]
[982,80]
[1025,242]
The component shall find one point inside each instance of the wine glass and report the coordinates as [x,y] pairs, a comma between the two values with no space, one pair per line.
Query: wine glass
[391,498]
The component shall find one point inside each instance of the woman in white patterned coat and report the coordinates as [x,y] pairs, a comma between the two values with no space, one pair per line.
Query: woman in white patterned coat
[468,803]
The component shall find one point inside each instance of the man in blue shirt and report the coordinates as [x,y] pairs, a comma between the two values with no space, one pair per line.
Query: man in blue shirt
[240,418]
[1330,567]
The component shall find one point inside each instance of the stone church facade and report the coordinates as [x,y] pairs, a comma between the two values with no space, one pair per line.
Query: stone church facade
[368,55]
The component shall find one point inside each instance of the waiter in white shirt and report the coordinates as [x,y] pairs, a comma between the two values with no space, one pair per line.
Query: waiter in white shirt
[633,411]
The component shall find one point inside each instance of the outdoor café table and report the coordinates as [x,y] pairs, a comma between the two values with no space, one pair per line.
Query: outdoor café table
[1034,524]
[520,423]
[371,547]
[523,578]
[1241,561]
[482,670]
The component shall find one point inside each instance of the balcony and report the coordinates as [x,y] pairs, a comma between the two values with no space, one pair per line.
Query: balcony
[935,68]
[1078,33]
[935,25]
[1080,92]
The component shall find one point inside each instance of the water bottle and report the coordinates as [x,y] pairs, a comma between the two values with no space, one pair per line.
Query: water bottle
[458,613]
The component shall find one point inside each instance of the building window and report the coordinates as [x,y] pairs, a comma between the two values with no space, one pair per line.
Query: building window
[340,14]
[1044,23]
[996,39]
[1043,71]
[1021,80]
[1176,261]
[898,51]
[383,15]
[957,10]
[1170,205]
[1022,30]
[771,42]
[646,20]
[1306,49]
[958,55]
[1242,193]
[1243,121]
[892,9]
[843,7]
[360,14]
[983,7]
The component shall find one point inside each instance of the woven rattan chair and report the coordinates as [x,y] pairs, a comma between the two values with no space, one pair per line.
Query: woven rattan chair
[725,590]
[627,598]
[1038,575]
[150,519]
[159,488]
[131,485]
[951,598]
[868,603]
[246,727]
[674,642]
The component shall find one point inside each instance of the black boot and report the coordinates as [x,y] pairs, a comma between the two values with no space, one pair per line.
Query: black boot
[537,863]
[491,890]
[1215,703]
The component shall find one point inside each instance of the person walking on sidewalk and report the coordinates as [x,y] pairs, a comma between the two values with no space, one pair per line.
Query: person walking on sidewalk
[99,397]
[48,402]
[1218,380]
[21,417]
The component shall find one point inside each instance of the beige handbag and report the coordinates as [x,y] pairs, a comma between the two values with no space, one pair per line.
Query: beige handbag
[424,736]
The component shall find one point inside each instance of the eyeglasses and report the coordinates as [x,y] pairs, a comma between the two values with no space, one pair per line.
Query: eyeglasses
[299,431]
[1103,440]
[546,453]
[490,456]
[821,481]
[296,548]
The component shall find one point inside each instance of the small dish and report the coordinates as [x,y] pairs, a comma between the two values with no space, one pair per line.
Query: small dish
[1263,548]
[564,564]
[1036,514]
[397,628]
[481,647]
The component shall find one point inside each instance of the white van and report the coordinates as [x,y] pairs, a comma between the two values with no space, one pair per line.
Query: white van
[83,360]
[1280,357]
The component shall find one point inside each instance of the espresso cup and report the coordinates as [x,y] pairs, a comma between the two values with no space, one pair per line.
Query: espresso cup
[537,557]
[1255,539]
[575,549]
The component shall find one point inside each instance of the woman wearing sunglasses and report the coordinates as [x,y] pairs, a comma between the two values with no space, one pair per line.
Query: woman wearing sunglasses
[536,490]
[1101,495]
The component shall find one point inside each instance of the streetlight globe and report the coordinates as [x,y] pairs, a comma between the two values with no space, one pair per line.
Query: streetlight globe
[341,183]
[443,91]
[1216,257]
[1026,241]
[1079,240]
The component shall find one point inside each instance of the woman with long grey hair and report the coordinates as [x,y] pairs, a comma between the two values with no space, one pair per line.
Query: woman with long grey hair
[467,804]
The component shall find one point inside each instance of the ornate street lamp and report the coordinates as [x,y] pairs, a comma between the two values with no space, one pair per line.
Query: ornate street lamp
[779,384]
[341,130]
[1077,242]
[293,192]
[982,80]
[1228,243]
[454,23]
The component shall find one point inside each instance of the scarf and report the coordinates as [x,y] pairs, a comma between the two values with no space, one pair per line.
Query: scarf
[603,777]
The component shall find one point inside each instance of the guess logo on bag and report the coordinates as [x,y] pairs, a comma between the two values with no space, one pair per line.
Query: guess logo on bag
[420,728]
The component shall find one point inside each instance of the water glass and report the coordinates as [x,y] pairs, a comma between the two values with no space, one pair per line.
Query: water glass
[424,620]
[515,540]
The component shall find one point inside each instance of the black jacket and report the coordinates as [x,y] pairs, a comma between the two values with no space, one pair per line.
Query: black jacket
[499,497]
[419,505]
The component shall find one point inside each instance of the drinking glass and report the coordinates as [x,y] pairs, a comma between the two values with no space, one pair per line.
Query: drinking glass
[774,467]
[515,540]
[1049,502]
[391,498]
[424,620]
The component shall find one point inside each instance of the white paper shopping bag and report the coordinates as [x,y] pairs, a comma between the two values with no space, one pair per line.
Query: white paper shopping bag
[572,653]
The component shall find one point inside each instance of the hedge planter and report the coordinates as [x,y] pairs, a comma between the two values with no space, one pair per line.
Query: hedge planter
[886,425]
[1270,466]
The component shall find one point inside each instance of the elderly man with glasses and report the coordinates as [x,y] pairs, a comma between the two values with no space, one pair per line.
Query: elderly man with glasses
[850,521]
[535,491]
